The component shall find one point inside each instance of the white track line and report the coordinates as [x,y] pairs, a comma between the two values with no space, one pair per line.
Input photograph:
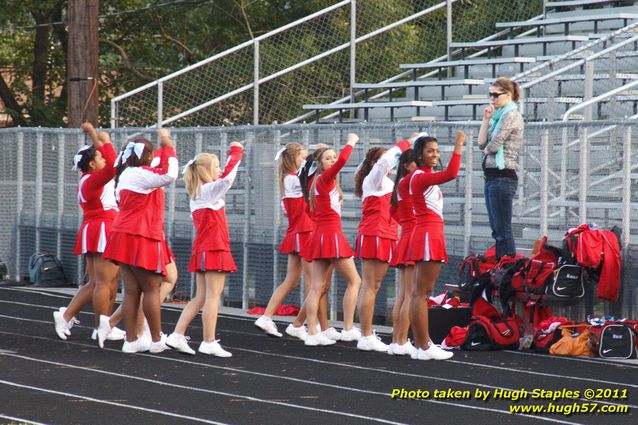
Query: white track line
[267,375]
[111,403]
[20,420]
[203,390]
[346,365]
[271,376]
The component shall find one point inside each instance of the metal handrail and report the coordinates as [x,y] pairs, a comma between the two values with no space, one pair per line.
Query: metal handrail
[597,99]
[254,42]
[567,56]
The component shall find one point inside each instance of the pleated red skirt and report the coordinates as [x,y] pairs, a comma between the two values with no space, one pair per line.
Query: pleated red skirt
[401,256]
[138,251]
[92,237]
[218,261]
[294,243]
[375,247]
[427,243]
[328,241]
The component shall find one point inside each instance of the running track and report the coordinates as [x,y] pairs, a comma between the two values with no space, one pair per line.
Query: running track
[268,380]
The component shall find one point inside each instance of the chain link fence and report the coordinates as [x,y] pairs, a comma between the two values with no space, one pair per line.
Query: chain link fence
[268,79]
[569,174]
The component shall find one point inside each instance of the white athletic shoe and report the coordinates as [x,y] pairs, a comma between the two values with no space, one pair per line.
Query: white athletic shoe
[266,324]
[70,323]
[159,346]
[402,350]
[61,325]
[103,330]
[298,332]
[137,346]
[180,343]
[116,334]
[332,333]
[433,353]
[318,339]
[213,348]
[351,334]
[372,343]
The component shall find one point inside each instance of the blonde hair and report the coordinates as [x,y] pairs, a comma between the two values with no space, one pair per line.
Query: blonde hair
[320,170]
[198,173]
[287,162]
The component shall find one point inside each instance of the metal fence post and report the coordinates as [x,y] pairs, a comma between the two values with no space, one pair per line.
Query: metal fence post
[245,302]
[39,159]
[353,47]
[20,201]
[469,180]
[61,140]
[171,206]
[256,62]
[544,166]
[276,212]
[583,175]
[160,103]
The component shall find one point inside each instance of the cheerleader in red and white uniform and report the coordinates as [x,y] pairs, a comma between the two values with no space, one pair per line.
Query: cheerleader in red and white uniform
[305,174]
[211,259]
[297,235]
[329,246]
[404,214]
[137,239]
[377,235]
[96,196]
[427,243]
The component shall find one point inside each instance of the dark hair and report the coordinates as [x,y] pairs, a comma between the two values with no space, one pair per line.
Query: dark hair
[304,178]
[509,86]
[372,156]
[405,158]
[133,160]
[419,145]
[88,155]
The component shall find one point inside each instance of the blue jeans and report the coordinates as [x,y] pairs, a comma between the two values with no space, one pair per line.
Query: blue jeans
[499,197]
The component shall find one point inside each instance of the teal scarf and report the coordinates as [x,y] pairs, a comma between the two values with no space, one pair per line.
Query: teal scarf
[495,123]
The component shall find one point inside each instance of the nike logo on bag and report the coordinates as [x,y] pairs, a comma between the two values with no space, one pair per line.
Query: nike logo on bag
[474,344]
[607,350]
[560,288]
[571,276]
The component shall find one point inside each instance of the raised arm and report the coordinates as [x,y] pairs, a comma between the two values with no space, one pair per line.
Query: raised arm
[344,155]
[216,190]
[388,161]
[164,168]
[422,180]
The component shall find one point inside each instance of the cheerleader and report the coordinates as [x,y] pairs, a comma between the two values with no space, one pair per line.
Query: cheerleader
[404,213]
[299,230]
[211,259]
[96,196]
[297,329]
[137,239]
[427,243]
[329,246]
[377,235]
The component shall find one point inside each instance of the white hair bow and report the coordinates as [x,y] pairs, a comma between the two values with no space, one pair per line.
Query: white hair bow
[418,136]
[188,164]
[78,157]
[313,168]
[359,167]
[278,154]
[131,147]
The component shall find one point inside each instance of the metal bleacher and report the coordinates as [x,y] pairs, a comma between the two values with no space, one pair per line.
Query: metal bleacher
[566,27]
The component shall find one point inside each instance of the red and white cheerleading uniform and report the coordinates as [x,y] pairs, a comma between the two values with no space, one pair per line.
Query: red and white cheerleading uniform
[405,216]
[427,242]
[328,240]
[96,196]
[137,236]
[299,223]
[377,234]
[211,247]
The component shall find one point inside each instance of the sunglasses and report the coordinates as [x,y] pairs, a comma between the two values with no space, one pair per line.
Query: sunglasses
[496,95]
